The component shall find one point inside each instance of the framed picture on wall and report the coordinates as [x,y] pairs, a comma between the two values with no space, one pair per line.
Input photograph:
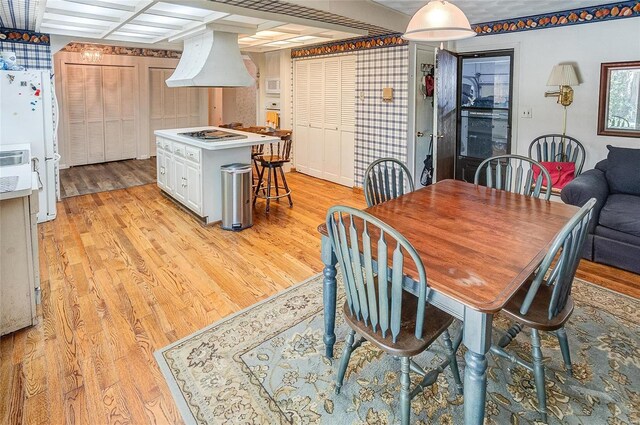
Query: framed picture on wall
[619,101]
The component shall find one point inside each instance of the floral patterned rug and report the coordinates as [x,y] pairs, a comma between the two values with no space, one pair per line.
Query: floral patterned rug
[264,365]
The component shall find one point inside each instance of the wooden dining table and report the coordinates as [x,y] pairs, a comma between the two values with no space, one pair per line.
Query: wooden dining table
[478,246]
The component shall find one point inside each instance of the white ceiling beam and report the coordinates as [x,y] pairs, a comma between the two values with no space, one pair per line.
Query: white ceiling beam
[166,14]
[98,27]
[270,16]
[216,16]
[140,8]
[156,25]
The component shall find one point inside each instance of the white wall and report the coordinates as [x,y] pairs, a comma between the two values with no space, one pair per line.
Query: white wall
[585,46]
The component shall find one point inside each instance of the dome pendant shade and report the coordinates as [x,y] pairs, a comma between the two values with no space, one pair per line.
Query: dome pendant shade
[438,20]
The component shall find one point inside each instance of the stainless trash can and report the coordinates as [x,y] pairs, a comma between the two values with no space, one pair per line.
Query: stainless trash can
[237,213]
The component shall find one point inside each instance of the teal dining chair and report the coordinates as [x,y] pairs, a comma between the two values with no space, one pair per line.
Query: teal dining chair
[514,173]
[545,304]
[386,179]
[379,308]
[558,147]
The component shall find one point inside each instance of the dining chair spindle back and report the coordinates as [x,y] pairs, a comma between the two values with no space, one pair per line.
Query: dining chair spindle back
[514,173]
[386,179]
[558,148]
[372,257]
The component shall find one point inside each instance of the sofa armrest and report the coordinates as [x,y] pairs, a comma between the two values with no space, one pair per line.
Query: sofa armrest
[590,184]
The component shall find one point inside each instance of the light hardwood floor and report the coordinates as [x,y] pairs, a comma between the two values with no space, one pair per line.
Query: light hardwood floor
[126,272]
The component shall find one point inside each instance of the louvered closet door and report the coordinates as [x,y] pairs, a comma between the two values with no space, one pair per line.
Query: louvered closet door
[128,115]
[76,115]
[94,113]
[347,119]
[332,112]
[316,118]
[119,113]
[169,119]
[194,107]
[177,107]
[301,116]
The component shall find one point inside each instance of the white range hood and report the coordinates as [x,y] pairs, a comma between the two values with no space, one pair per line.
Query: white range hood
[211,59]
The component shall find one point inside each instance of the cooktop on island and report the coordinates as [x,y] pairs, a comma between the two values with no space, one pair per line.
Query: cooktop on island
[213,135]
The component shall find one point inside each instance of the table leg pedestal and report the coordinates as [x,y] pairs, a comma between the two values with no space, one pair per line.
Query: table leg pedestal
[477,339]
[329,296]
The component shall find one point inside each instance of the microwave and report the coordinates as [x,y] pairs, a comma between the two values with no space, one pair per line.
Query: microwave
[272,86]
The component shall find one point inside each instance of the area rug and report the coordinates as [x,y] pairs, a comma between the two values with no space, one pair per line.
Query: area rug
[265,365]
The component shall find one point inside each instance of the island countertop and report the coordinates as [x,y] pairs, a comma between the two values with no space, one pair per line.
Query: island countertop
[252,138]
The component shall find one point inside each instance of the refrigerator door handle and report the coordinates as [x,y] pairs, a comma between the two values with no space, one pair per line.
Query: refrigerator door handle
[56,157]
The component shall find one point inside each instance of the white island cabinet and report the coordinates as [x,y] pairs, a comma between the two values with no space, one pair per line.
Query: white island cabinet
[189,169]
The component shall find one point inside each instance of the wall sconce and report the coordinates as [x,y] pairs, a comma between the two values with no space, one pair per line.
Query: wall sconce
[563,76]
[91,54]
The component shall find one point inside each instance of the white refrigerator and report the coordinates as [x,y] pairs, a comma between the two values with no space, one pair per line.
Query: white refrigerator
[28,114]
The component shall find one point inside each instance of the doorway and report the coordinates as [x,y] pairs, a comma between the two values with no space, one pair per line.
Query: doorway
[421,60]
[485,89]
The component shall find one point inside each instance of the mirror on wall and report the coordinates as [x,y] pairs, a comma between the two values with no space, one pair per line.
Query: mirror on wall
[619,108]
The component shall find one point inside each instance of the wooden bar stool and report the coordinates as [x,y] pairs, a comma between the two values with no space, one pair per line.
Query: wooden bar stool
[273,158]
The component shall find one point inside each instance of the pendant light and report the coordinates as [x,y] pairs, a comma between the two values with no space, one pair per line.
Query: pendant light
[438,20]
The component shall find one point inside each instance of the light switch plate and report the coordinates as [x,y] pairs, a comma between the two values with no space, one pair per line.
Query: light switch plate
[387,94]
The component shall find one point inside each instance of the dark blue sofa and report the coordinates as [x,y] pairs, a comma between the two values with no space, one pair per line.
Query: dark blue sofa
[614,231]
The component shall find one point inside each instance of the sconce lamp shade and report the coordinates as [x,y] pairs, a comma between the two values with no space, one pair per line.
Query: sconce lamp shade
[563,75]
[438,20]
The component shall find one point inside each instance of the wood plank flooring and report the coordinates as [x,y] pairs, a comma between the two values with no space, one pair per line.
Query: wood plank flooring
[127,272]
[94,178]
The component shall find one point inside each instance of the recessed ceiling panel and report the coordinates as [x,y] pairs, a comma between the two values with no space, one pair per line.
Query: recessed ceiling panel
[85,9]
[182,11]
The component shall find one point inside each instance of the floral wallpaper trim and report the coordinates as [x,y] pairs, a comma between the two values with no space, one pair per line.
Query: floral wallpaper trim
[124,51]
[606,12]
[13,35]
[350,45]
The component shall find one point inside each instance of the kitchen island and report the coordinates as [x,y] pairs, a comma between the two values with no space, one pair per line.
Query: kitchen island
[189,168]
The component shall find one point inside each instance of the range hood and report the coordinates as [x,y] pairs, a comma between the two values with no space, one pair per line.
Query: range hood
[211,59]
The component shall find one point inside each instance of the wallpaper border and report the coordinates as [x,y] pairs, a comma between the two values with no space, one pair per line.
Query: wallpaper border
[123,51]
[583,15]
[14,35]
[349,45]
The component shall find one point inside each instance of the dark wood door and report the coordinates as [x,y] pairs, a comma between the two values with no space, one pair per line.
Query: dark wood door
[446,116]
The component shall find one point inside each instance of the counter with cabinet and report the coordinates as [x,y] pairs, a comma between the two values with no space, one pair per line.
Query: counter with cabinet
[188,170]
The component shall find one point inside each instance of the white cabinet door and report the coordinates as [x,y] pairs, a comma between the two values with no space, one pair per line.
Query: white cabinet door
[331,146]
[180,179]
[194,187]
[301,118]
[161,168]
[324,118]
[316,118]
[347,119]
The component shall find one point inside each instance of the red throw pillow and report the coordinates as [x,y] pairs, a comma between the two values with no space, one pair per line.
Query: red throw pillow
[561,173]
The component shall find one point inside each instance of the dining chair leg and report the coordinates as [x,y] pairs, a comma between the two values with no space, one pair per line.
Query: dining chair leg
[258,186]
[453,362]
[564,347]
[538,373]
[344,361]
[269,188]
[286,186]
[405,397]
[275,177]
